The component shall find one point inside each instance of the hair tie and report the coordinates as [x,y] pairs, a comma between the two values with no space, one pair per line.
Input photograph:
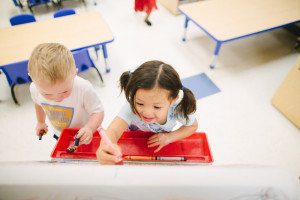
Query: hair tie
[183,88]
[131,72]
[180,96]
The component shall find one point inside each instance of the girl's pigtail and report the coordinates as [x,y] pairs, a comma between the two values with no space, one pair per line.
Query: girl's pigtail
[188,103]
[124,80]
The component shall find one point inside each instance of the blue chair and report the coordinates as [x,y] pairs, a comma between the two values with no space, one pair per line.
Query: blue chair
[16,73]
[32,3]
[17,3]
[22,19]
[83,61]
[64,12]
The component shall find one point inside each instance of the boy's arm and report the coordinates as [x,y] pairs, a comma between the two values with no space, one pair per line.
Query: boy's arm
[95,120]
[40,116]
[162,139]
[40,113]
[86,133]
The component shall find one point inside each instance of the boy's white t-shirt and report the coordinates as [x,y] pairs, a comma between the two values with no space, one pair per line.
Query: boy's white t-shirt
[72,112]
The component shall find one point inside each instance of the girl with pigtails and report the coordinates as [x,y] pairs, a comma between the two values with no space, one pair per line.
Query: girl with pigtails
[156,101]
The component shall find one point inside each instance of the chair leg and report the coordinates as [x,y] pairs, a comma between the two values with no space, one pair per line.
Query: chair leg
[99,74]
[97,48]
[13,94]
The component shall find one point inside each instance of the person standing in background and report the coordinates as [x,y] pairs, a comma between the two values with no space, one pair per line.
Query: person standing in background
[145,6]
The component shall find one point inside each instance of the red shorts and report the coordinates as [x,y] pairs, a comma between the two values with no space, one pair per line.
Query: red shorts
[145,5]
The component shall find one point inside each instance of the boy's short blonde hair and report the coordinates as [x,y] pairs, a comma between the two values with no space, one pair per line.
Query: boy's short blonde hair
[51,62]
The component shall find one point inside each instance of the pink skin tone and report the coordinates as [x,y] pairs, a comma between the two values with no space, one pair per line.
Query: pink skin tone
[58,92]
[152,106]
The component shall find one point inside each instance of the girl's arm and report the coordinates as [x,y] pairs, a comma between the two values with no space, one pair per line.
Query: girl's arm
[162,139]
[107,154]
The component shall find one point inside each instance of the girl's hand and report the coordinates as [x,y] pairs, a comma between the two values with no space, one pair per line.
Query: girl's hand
[85,134]
[160,140]
[109,155]
[41,127]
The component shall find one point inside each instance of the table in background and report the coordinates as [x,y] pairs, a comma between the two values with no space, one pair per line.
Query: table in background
[228,20]
[74,31]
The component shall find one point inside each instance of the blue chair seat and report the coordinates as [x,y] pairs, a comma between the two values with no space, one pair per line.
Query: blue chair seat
[64,12]
[22,19]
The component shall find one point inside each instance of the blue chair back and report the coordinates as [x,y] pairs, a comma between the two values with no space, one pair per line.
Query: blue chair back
[83,60]
[64,12]
[16,3]
[22,19]
[17,73]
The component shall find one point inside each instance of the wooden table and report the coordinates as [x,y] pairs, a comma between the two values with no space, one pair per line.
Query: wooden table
[74,31]
[228,20]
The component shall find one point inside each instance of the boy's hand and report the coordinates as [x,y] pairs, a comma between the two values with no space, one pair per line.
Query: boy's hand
[158,139]
[85,134]
[40,128]
[109,155]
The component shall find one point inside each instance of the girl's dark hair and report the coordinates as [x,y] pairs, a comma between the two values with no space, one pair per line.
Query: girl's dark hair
[156,73]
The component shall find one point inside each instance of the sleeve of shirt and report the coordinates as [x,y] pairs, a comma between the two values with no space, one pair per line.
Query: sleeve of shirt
[126,113]
[34,93]
[189,122]
[91,100]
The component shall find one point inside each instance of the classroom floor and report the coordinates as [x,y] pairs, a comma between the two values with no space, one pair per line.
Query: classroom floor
[241,124]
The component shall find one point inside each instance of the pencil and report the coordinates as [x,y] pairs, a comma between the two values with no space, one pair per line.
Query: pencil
[41,133]
[148,158]
[171,158]
[105,137]
[139,158]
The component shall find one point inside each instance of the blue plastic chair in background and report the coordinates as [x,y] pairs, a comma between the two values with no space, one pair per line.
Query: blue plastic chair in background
[32,3]
[16,73]
[64,12]
[83,61]
[22,19]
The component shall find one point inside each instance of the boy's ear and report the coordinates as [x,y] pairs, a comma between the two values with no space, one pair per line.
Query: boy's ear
[76,71]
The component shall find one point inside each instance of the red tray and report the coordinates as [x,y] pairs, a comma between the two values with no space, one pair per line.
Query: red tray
[194,148]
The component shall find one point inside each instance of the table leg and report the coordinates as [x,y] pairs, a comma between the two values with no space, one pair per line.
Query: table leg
[105,57]
[185,28]
[215,56]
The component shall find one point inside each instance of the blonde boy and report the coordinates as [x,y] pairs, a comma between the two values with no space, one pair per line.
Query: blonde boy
[66,99]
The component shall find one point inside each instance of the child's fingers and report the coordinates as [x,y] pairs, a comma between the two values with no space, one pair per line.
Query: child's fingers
[153,140]
[105,158]
[158,149]
[154,144]
[113,149]
[85,139]
[110,156]
[117,151]
[80,133]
